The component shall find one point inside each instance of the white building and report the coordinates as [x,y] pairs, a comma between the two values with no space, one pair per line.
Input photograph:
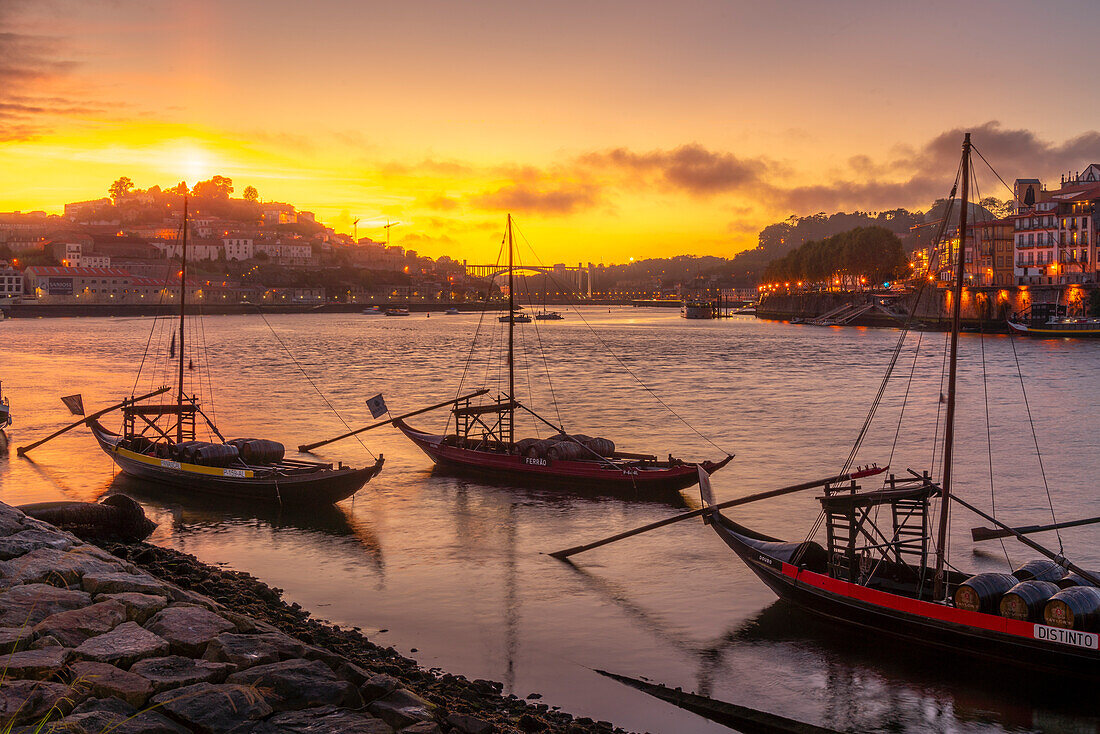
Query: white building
[238,248]
[11,284]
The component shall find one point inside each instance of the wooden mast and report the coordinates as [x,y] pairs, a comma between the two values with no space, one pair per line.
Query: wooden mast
[183,301]
[511,344]
[939,590]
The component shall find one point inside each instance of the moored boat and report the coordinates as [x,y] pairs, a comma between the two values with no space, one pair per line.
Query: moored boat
[884,564]
[548,316]
[1071,327]
[483,440]
[158,443]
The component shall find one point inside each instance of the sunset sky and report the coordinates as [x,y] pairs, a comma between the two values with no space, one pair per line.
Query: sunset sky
[610,129]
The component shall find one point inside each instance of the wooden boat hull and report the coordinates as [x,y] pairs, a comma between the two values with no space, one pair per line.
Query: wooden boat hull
[991,637]
[1070,331]
[322,487]
[578,475]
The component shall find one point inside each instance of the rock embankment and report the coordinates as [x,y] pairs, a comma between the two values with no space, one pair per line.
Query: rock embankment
[145,640]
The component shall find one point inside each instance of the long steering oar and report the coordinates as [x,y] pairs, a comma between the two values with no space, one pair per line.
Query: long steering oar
[563,554]
[310,446]
[994,533]
[21,450]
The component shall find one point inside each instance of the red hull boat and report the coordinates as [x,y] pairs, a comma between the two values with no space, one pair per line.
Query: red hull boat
[484,439]
[625,472]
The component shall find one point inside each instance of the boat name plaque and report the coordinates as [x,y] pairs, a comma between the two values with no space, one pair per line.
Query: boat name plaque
[1086,640]
[536,461]
[234,473]
[169,464]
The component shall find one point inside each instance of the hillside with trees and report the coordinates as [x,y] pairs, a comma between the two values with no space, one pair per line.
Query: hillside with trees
[864,255]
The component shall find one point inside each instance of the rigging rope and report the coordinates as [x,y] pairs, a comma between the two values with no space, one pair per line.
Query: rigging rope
[622,364]
[311,382]
[1035,440]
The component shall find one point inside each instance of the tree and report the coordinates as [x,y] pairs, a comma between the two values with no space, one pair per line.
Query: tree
[180,188]
[218,187]
[120,188]
[251,194]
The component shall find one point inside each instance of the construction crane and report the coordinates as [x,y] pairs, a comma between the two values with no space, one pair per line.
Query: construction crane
[387,228]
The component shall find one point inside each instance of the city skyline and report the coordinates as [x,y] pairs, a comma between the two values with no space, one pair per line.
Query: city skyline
[611,131]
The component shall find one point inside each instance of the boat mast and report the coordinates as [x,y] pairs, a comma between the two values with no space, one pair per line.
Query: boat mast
[183,300]
[939,591]
[511,344]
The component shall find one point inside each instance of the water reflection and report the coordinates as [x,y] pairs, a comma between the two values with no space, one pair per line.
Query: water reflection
[457,568]
[186,513]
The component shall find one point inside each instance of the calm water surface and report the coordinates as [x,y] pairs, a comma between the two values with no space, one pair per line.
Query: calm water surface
[456,570]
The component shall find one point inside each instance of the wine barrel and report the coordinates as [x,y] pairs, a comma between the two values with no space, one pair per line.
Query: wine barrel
[602,446]
[182,451]
[216,454]
[983,592]
[1072,579]
[1026,600]
[259,450]
[1039,570]
[1077,607]
[524,446]
[568,451]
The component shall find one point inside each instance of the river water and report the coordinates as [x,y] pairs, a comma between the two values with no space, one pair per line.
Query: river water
[453,572]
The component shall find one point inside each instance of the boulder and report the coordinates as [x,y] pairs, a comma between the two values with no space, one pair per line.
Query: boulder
[11,521]
[107,681]
[40,664]
[323,720]
[101,715]
[257,649]
[295,684]
[23,701]
[121,582]
[464,724]
[14,639]
[25,541]
[214,708]
[423,727]
[188,629]
[139,607]
[123,646]
[401,708]
[52,566]
[377,686]
[175,671]
[29,604]
[116,518]
[74,626]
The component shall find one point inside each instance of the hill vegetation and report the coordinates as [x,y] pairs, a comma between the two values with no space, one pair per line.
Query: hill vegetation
[864,255]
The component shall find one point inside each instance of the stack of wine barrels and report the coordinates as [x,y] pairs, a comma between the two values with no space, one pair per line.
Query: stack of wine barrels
[565,447]
[1039,591]
[214,454]
[258,450]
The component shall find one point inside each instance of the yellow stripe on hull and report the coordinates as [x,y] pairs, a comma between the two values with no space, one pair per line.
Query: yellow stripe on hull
[212,471]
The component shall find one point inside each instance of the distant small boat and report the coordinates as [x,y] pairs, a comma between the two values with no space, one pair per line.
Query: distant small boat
[697,310]
[548,316]
[452,311]
[396,312]
[516,318]
[372,311]
[5,410]
[1077,328]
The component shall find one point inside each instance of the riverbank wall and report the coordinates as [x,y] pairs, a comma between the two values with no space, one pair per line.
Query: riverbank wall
[134,638]
[36,310]
[986,308]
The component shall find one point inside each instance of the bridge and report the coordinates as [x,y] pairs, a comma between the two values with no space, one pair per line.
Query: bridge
[577,279]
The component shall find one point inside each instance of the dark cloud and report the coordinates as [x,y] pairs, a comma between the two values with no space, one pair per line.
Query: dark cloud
[560,199]
[29,63]
[928,172]
[691,168]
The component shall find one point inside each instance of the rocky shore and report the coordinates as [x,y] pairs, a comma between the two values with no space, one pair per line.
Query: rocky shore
[137,639]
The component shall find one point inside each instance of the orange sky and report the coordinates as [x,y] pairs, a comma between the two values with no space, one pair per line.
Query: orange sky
[612,130]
